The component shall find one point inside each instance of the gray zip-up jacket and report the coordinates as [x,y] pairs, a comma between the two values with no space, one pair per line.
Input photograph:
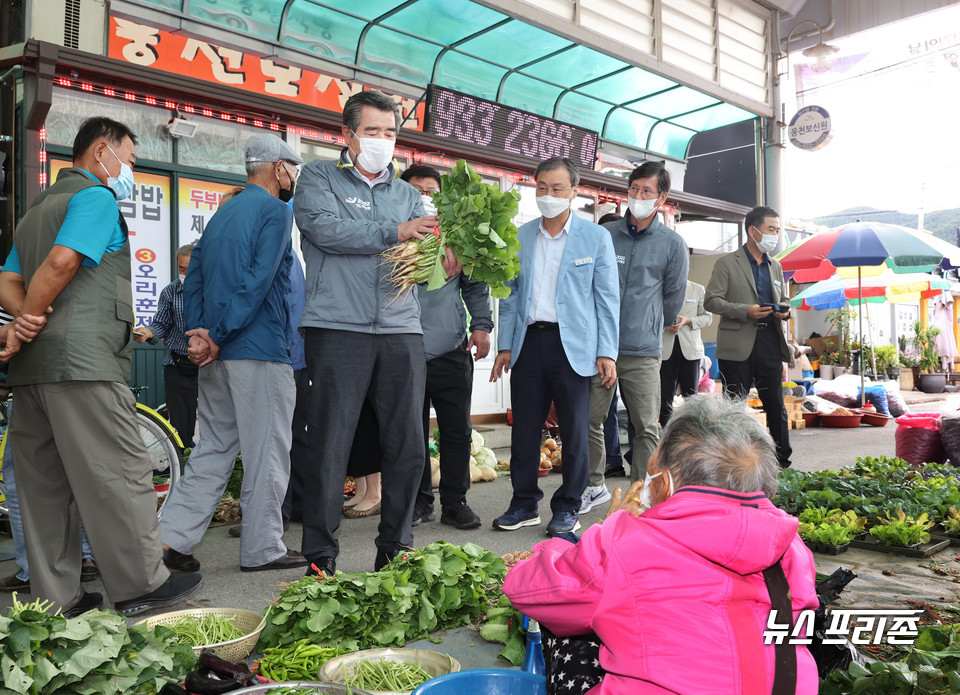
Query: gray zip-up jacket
[653,278]
[444,319]
[345,225]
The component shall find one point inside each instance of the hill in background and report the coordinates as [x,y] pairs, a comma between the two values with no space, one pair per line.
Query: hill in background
[942,223]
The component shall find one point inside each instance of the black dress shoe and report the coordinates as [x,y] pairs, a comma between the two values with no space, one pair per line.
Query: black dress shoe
[180,562]
[322,565]
[174,590]
[614,472]
[13,583]
[89,570]
[291,559]
[383,559]
[88,602]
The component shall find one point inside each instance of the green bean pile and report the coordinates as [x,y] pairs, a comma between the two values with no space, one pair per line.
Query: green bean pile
[301,661]
[386,674]
[209,629]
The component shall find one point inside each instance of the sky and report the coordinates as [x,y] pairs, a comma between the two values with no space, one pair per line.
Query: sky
[893,95]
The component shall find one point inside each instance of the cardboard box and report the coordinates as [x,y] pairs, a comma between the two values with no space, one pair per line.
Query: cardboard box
[821,346]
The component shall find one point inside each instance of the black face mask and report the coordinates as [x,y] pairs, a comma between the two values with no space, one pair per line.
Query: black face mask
[286,194]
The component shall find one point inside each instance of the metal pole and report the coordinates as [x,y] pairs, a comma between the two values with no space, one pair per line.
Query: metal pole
[863,395]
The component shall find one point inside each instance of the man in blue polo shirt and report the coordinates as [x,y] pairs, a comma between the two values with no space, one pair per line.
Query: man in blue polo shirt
[77,451]
[238,317]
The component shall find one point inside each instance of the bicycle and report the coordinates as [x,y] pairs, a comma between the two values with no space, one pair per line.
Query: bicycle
[164,447]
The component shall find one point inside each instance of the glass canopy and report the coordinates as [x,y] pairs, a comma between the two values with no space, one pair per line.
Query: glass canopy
[471,48]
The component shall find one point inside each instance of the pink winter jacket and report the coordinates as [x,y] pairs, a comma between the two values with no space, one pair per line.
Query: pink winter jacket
[675,595]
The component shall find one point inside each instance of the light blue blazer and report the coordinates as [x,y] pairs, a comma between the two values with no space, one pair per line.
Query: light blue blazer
[588,296]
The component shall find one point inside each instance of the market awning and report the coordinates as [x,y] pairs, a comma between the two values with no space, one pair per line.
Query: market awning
[480,51]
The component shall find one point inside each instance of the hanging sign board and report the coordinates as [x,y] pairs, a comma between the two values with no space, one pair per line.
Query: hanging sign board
[810,128]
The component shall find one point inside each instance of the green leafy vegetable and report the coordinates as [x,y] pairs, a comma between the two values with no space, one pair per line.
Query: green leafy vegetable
[475,223]
[94,653]
[902,529]
[439,586]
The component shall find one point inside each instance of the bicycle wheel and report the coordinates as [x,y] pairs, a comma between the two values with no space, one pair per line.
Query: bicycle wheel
[165,454]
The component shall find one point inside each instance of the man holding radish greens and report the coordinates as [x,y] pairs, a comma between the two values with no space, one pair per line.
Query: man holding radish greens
[361,335]
[558,328]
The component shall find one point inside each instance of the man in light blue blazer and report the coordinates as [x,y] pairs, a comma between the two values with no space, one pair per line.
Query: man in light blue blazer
[558,328]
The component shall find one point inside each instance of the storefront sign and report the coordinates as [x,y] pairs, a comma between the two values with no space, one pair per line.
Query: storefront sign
[477,121]
[182,54]
[147,213]
[197,202]
[810,128]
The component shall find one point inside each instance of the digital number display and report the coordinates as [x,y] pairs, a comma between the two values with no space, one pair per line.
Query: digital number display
[477,121]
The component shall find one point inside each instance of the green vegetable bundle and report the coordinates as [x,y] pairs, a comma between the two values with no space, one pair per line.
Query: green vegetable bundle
[440,586]
[207,629]
[300,661]
[94,653]
[386,674]
[475,223]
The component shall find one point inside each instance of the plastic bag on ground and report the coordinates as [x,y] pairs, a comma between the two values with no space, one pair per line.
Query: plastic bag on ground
[918,438]
[844,390]
[951,408]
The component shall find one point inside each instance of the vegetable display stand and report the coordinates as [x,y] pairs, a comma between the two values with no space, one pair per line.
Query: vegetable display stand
[919,550]
[940,534]
[828,549]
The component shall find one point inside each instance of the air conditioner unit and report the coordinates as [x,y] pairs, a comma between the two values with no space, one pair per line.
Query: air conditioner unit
[77,24]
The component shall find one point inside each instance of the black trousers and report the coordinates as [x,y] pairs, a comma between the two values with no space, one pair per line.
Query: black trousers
[542,374]
[674,369]
[180,383]
[345,368]
[292,508]
[449,388]
[763,369]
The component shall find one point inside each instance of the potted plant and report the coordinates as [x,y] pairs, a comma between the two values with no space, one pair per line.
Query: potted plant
[932,380]
[902,530]
[829,530]
[828,363]
[887,360]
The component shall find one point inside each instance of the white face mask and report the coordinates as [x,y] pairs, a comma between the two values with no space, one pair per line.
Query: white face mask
[768,242]
[375,153]
[428,205]
[646,494]
[642,209]
[182,276]
[550,206]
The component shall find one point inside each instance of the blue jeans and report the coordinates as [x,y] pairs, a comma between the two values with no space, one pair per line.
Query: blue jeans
[16,523]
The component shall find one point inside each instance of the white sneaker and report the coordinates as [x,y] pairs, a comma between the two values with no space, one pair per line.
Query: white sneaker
[593,497]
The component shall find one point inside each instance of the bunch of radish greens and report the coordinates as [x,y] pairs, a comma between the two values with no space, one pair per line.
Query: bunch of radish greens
[475,223]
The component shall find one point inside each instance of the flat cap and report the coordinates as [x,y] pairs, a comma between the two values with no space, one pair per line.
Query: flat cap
[267,147]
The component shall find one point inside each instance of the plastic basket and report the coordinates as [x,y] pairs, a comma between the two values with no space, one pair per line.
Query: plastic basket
[339,668]
[488,681]
[250,623]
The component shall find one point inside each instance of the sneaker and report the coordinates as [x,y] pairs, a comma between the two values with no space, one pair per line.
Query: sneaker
[614,472]
[593,497]
[515,518]
[90,600]
[460,516]
[14,583]
[423,513]
[173,591]
[563,522]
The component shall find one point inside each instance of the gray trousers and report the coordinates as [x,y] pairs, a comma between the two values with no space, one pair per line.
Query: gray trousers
[244,405]
[639,381]
[78,455]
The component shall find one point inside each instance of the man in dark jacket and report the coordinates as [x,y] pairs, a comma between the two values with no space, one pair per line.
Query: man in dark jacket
[238,319]
[449,375]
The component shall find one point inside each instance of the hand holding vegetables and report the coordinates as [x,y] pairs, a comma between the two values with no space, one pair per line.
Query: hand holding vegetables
[417,229]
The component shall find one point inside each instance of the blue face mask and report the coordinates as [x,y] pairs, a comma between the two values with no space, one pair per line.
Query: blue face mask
[123,184]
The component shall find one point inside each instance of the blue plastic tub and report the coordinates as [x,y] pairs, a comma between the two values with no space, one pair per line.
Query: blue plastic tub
[485,681]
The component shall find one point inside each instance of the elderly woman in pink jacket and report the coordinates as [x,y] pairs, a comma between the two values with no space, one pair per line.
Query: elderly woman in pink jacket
[679,595]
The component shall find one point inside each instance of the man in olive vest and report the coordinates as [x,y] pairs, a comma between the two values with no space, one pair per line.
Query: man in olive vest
[77,449]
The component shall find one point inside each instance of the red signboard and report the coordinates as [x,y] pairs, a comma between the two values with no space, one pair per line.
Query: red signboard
[182,54]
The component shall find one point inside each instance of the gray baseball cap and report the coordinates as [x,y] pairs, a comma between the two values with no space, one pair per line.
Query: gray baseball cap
[267,147]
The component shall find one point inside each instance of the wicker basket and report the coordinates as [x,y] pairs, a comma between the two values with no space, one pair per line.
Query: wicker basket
[236,650]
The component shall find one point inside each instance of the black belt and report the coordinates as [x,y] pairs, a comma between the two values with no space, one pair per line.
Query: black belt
[180,359]
[764,325]
[543,326]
